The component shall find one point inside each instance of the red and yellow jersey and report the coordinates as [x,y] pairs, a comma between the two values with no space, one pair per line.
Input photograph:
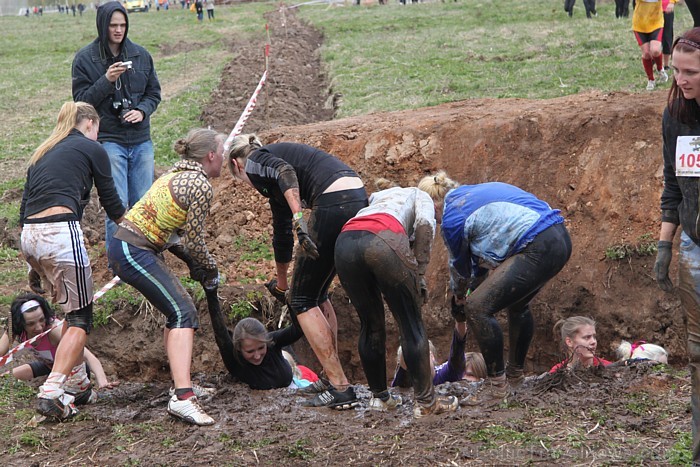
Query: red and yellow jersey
[648,16]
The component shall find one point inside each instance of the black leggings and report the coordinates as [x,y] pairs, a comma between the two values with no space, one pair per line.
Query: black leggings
[694,7]
[622,8]
[369,268]
[512,286]
[312,277]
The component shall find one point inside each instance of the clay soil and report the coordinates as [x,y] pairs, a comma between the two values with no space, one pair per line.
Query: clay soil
[597,157]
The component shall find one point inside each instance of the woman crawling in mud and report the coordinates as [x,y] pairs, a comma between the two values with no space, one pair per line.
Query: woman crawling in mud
[259,359]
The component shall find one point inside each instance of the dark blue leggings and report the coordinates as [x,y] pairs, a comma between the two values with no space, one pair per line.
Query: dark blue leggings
[148,273]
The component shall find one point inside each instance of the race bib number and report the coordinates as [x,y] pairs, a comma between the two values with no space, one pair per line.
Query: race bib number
[688,156]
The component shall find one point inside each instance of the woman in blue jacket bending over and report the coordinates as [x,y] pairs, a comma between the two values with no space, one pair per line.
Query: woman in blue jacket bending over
[504,244]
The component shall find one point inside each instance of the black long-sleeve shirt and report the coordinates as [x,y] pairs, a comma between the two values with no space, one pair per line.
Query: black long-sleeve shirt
[64,177]
[679,200]
[275,168]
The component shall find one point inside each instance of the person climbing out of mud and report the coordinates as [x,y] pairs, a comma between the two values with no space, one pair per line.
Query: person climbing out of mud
[460,365]
[171,215]
[259,359]
[679,202]
[383,252]
[61,173]
[294,176]
[32,315]
[504,245]
[578,342]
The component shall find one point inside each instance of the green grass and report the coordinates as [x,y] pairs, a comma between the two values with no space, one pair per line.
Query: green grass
[390,57]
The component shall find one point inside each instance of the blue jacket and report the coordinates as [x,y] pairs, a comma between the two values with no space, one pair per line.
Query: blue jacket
[483,225]
[139,85]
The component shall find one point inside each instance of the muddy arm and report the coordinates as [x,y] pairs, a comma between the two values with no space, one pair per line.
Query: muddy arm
[223,338]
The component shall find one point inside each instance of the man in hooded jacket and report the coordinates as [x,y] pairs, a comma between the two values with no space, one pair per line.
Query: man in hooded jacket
[118,78]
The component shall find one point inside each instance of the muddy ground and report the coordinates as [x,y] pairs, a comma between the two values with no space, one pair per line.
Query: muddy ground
[597,157]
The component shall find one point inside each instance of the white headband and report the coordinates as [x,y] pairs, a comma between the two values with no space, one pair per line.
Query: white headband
[30,305]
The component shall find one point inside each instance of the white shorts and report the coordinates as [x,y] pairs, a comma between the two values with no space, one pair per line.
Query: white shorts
[56,250]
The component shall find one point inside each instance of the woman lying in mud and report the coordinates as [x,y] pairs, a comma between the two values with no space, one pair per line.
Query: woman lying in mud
[460,365]
[579,343]
[259,360]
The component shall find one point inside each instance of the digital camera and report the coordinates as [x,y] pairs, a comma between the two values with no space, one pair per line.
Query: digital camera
[121,107]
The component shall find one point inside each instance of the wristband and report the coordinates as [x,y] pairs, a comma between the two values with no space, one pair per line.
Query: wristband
[297,215]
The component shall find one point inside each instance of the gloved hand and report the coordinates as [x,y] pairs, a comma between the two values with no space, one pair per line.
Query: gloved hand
[307,245]
[209,278]
[423,290]
[663,261]
[458,311]
[35,282]
[279,294]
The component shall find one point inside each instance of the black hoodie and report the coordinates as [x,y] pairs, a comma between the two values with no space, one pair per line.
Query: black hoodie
[139,86]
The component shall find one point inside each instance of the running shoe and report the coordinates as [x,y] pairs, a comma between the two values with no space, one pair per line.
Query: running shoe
[651,85]
[492,392]
[189,411]
[663,76]
[202,394]
[334,399]
[380,405]
[317,387]
[439,405]
[56,409]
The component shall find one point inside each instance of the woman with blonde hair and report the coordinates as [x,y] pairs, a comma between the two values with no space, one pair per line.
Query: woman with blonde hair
[504,245]
[293,176]
[60,177]
[171,215]
[578,342]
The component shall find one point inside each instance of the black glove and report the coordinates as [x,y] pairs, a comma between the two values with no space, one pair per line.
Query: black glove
[35,282]
[209,278]
[458,311]
[307,245]
[423,290]
[178,250]
[279,294]
[663,261]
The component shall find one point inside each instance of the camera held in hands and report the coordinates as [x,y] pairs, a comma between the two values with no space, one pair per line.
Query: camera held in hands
[128,65]
[121,107]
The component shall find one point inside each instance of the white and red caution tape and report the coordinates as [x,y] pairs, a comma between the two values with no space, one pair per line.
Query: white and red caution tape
[109,285]
[7,358]
[246,113]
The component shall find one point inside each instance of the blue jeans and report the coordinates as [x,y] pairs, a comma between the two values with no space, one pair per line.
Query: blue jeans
[132,171]
[689,291]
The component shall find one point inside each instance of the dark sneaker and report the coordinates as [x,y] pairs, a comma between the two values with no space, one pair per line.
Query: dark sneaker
[334,399]
[440,405]
[54,408]
[317,387]
[88,396]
